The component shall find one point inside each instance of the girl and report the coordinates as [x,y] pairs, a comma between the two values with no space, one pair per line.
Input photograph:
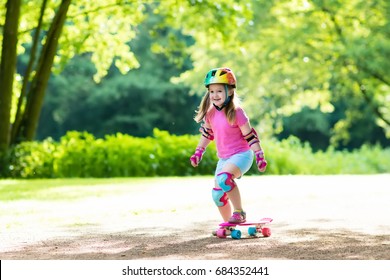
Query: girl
[225,121]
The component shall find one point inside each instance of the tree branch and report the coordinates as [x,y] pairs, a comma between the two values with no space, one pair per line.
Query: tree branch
[375,108]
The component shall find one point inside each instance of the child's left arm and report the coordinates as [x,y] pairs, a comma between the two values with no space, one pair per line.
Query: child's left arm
[250,135]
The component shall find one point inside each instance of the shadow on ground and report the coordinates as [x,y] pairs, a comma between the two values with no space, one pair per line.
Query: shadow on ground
[197,243]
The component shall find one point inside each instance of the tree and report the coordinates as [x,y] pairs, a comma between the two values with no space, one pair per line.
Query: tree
[25,127]
[66,28]
[308,53]
[7,69]
[134,103]
[80,35]
[286,54]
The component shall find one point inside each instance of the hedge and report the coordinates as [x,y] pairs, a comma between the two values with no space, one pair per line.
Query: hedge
[80,154]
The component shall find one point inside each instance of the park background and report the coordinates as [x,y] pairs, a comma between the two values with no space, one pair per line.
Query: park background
[108,89]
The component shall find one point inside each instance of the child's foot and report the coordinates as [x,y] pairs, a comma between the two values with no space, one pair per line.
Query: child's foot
[239,216]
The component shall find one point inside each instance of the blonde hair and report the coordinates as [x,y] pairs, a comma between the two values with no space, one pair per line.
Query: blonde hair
[205,107]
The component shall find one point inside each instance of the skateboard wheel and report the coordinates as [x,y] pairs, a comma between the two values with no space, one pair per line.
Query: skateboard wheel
[221,233]
[266,232]
[252,231]
[236,234]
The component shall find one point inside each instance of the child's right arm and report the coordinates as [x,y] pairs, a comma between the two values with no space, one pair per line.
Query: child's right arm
[205,139]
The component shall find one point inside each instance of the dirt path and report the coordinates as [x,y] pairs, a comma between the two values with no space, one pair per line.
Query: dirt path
[315,217]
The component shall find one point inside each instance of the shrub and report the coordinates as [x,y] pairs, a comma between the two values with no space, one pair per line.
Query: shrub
[32,160]
[80,154]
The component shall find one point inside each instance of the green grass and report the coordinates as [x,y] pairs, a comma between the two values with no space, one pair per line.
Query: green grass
[75,188]
[64,189]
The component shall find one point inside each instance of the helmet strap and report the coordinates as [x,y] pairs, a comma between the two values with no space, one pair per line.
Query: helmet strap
[227,100]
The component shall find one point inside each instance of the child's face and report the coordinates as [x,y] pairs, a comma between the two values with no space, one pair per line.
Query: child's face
[217,94]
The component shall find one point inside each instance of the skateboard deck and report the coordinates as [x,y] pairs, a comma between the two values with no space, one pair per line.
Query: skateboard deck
[229,229]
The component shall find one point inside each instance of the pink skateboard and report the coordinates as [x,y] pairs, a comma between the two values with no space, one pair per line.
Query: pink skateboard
[253,228]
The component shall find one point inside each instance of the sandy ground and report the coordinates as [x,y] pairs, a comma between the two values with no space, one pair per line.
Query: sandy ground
[315,218]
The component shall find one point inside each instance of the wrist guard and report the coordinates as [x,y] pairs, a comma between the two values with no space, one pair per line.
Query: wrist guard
[260,160]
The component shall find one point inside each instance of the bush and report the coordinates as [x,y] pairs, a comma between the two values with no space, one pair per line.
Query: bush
[32,160]
[80,154]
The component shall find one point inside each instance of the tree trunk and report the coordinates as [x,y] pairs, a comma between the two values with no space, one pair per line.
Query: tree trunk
[7,70]
[26,78]
[37,91]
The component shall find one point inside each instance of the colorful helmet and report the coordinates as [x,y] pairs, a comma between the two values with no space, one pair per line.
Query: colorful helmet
[220,76]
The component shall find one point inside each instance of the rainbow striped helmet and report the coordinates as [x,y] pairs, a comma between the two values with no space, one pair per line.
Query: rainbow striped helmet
[220,76]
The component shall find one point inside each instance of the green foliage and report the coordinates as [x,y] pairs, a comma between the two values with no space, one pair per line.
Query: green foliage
[133,104]
[32,159]
[291,156]
[80,154]
[309,126]
[329,56]
[104,30]
[293,54]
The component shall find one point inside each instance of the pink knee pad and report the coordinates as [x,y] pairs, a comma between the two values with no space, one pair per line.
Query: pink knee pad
[219,196]
[225,181]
